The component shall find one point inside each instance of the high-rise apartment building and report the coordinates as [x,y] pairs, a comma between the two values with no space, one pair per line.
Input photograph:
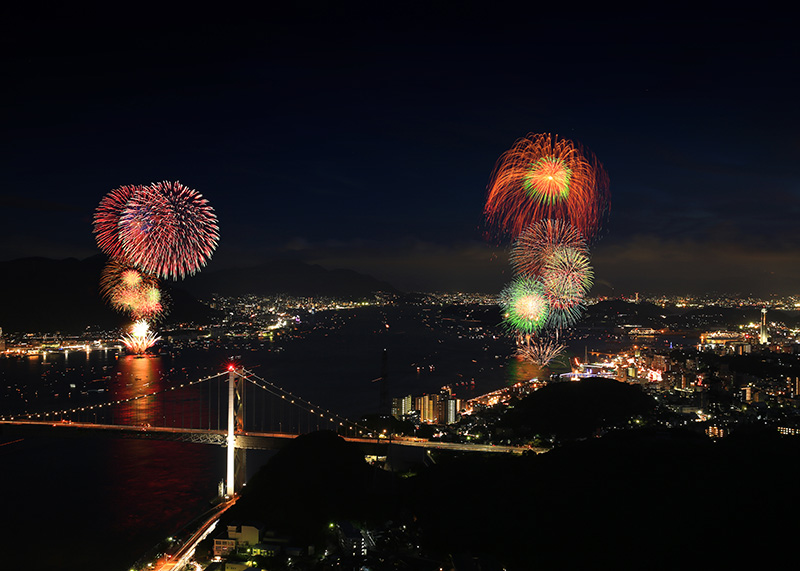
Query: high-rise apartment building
[401,407]
[426,405]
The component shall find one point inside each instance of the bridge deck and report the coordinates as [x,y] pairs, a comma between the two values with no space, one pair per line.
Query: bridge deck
[246,440]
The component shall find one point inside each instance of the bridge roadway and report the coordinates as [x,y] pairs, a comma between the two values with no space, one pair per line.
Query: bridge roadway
[246,440]
[179,560]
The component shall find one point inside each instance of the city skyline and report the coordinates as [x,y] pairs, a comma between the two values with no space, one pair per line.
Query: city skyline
[363,140]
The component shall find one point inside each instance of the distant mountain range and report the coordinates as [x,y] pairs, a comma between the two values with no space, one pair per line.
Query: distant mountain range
[286,276]
[617,313]
[42,294]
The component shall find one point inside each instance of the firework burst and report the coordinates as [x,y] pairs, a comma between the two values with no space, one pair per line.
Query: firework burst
[540,351]
[129,290]
[555,253]
[547,180]
[107,219]
[140,338]
[168,230]
[543,176]
[525,305]
[567,277]
[165,229]
[536,244]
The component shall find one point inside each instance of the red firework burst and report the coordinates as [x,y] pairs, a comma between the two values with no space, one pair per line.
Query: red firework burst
[168,230]
[107,219]
[542,177]
[536,244]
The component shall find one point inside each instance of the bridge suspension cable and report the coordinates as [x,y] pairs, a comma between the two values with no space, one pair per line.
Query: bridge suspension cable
[78,409]
[314,411]
[299,402]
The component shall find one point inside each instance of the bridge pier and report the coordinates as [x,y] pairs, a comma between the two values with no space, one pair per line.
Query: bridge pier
[240,469]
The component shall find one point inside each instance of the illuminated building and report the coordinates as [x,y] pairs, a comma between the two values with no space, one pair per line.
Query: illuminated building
[716,431]
[437,408]
[789,430]
[660,363]
[351,539]
[426,405]
[762,335]
[244,534]
[401,406]
[450,410]
[223,546]
[237,536]
[723,342]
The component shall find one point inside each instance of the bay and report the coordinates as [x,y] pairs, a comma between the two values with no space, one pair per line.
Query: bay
[98,503]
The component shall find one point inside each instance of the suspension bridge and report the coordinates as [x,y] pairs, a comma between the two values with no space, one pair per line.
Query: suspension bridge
[235,408]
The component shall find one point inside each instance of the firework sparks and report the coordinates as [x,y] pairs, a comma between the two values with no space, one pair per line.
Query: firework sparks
[129,290]
[525,305]
[555,253]
[547,180]
[567,277]
[540,351]
[168,230]
[140,338]
[543,176]
[536,244]
[107,219]
[129,277]
[165,229]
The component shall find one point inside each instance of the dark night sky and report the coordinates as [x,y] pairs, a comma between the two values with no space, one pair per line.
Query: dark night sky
[362,139]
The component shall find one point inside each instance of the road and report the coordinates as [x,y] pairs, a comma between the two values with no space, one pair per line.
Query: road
[177,561]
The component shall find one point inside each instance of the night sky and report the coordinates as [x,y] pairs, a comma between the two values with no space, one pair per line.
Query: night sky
[364,139]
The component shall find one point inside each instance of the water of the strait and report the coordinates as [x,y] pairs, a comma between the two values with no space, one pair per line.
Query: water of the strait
[98,503]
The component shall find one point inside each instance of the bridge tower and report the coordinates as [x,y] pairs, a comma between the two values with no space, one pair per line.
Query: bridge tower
[236,473]
[239,454]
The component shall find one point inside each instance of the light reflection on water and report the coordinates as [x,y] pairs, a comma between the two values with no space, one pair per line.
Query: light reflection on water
[105,500]
[135,377]
[126,494]
[518,369]
[108,499]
